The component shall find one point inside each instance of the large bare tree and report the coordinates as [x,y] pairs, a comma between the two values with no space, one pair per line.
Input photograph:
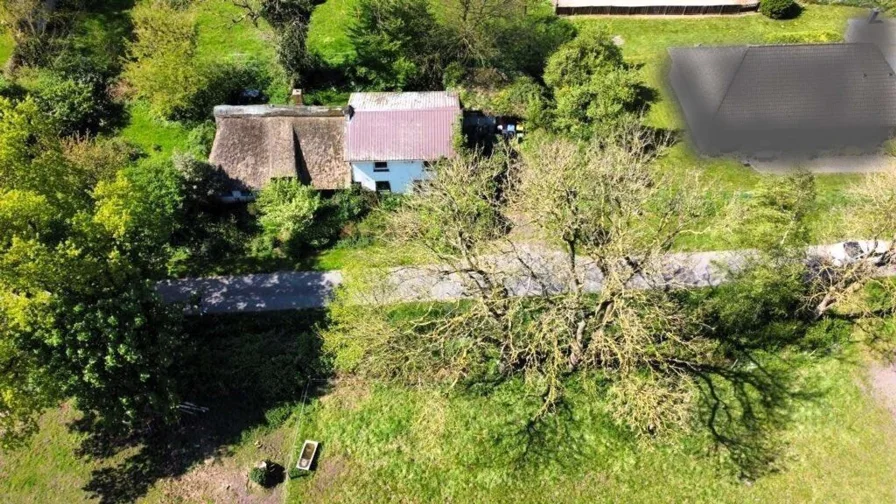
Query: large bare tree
[556,249]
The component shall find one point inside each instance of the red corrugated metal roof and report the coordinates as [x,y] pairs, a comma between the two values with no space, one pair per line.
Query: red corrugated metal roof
[401,126]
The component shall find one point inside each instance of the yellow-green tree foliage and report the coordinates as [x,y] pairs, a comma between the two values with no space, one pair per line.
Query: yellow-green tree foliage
[162,69]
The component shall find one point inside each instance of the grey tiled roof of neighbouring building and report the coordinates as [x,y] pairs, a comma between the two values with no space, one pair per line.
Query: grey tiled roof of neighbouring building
[827,91]
[881,32]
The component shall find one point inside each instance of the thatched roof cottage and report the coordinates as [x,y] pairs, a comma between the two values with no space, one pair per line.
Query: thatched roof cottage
[257,143]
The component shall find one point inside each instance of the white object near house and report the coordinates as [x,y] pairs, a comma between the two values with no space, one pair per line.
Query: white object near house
[391,138]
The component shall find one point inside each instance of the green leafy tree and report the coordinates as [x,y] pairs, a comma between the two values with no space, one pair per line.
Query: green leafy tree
[163,69]
[80,250]
[399,45]
[31,155]
[71,103]
[286,210]
[511,36]
[594,90]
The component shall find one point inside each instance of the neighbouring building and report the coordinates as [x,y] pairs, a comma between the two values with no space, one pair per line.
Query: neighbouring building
[653,7]
[256,143]
[391,138]
[874,30]
[804,98]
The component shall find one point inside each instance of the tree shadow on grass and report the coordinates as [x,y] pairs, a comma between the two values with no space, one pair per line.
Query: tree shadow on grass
[745,407]
[248,370]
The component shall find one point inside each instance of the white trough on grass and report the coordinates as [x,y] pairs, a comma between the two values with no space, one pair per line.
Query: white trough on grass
[309,449]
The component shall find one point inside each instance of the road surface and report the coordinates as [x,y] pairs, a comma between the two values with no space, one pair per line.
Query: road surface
[310,289]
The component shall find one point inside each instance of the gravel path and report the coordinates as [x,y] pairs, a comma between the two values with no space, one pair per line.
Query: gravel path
[883,384]
[309,289]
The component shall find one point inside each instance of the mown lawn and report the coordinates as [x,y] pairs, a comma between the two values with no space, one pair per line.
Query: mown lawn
[226,36]
[328,35]
[154,136]
[383,443]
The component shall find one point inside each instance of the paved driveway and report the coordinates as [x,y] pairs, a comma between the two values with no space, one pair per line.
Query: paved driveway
[254,293]
[309,289]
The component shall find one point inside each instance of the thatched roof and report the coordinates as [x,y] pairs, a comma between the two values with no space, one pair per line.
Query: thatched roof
[254,144]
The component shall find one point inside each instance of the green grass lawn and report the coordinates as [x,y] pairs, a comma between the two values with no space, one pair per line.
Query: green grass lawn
[328,32]
[154,136]
[225,36]
[47,468]
[6,47]
[415,445]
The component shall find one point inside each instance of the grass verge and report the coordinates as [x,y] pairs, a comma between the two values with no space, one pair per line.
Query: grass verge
[383,443]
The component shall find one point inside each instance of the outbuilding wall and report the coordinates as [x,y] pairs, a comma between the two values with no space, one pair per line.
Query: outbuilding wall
[401,174]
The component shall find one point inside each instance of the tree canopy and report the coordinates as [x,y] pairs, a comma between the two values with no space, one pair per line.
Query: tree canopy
[84,236]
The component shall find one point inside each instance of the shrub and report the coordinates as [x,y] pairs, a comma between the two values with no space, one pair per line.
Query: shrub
[778,9]
[71,103]
[286,212]
[227,83]
[337,213]
[400,45]
[201,138]
[258,476]
[98,159]
[266,474]
[594,90]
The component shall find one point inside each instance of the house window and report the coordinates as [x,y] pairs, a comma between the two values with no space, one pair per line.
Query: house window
[380,166]
[383,187]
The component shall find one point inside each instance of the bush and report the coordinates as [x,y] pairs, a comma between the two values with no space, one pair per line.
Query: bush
[594,90]
[399,44]
[778,9]
[337,213]
[286,210]
[201,138]
[165,71]
[267,474]
[71,103]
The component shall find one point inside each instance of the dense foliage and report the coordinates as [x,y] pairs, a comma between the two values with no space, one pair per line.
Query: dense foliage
[84,236]
[411,45]
[400,46]
[162,69]
[593,88]
[778,9]
[165,70]
[286,211]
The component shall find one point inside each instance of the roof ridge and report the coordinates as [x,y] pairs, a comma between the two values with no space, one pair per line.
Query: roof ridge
[731,82]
